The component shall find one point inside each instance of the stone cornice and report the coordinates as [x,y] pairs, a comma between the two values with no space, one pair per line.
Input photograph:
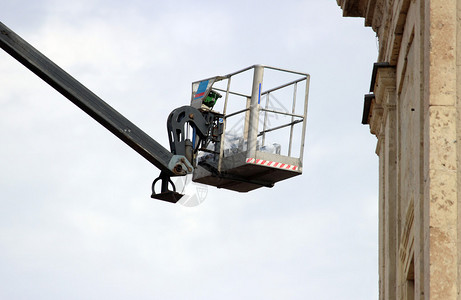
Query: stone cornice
[353,8]
[384,17]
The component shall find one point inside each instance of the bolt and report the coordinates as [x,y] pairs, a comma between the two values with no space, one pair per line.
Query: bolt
[178,169]
[191,116]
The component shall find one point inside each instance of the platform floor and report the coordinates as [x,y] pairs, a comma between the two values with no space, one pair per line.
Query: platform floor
[243,174]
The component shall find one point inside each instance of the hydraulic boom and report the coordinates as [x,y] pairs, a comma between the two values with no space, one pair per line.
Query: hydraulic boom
[168,162]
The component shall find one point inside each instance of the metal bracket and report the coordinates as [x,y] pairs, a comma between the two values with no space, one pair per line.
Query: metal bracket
[165,194]
[204,125]
[180,166]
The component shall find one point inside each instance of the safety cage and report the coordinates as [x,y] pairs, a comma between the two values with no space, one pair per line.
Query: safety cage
[263,127]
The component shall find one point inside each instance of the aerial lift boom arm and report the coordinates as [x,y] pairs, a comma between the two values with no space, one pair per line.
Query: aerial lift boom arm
[81,96]
[168,163]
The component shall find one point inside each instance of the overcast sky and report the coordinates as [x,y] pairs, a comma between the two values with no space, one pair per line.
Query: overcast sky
[76,217]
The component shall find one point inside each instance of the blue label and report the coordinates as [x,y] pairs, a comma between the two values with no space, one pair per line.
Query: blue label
[259,95]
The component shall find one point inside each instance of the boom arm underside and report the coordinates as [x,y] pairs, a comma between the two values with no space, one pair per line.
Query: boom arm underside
[90,103]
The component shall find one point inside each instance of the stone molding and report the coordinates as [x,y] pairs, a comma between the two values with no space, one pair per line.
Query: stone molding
[384,101]
[406,249]
[384,17]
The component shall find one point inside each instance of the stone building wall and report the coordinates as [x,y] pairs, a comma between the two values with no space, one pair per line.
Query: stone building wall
[414,110]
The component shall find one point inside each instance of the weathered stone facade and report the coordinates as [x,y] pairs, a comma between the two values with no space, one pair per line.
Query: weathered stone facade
[414,110]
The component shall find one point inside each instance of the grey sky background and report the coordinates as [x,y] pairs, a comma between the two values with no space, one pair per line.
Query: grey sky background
[76,217]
